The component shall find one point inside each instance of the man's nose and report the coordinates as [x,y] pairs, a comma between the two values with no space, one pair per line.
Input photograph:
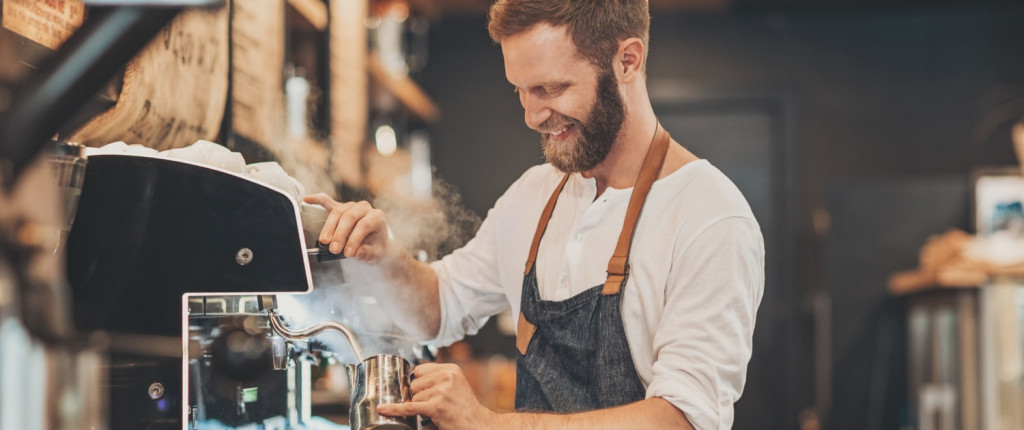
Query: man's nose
[536,111]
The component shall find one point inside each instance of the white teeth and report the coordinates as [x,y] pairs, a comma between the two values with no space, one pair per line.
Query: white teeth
[559,132]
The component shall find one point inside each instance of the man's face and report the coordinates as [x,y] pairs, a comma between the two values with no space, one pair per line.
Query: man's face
[577,110]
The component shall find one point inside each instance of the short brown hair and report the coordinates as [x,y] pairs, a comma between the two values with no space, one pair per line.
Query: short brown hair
[596,26]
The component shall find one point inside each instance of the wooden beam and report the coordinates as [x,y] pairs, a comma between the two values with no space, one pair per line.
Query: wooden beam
[428,8]
[315,11]
[405,90]
[349,89]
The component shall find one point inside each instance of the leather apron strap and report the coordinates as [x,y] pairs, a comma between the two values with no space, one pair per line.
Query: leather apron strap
[543,224]
[618,265]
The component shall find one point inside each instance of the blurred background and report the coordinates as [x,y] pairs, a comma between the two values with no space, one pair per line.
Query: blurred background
[878,143]
[855,129]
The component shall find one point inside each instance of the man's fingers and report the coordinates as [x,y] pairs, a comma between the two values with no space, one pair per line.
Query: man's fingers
[326,202]
[426,369]
[346,223]
[422,383]
[405,409]
[437,370]
[327,232]
[331,224]
[424,395]
[350,226]
[319,199]
[364,230]
[424,376]
[429,375]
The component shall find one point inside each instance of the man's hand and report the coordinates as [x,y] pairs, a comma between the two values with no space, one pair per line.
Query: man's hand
[406,288]
[441,392]
[357,229]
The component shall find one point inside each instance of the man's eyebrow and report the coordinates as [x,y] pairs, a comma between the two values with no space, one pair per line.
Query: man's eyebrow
[548,84]
[552,84]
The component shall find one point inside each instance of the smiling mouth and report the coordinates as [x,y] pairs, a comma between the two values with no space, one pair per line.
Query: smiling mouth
[559,133]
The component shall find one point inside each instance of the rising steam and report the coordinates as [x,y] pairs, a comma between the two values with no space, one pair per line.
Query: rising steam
[437,227]
[346,293]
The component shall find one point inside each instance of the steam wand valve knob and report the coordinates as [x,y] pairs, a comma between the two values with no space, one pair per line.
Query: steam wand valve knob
[323,253]
[266,302]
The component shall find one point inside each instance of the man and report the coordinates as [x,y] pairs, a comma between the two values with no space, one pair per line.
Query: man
[625,321]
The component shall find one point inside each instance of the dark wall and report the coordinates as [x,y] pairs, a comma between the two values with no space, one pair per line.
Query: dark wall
[905,92]
[481,144]
[883,94]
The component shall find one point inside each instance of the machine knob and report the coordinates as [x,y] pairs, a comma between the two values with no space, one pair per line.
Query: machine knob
[156,391]
[243,256]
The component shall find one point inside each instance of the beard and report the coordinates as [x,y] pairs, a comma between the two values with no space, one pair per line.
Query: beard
[594,136]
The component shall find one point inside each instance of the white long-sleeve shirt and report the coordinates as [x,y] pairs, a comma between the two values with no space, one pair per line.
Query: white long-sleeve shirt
[696,276]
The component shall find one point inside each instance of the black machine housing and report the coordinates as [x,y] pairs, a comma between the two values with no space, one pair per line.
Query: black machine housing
[149,230]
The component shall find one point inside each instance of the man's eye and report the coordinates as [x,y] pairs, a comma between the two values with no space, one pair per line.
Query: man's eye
[555,89]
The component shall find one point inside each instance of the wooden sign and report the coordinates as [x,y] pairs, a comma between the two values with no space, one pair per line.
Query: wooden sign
[48,22]
[174,91]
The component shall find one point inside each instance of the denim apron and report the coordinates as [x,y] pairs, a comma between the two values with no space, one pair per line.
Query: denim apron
[572,355]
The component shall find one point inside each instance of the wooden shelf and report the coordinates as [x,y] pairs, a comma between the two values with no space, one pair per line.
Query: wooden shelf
[315,12]
[428,8]
[405,90]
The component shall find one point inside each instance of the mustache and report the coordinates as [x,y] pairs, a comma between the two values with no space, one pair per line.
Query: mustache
[556,123]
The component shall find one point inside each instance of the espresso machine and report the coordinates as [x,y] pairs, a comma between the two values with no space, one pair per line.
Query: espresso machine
[50,371]
[149,233]
[203,280]
[146,313]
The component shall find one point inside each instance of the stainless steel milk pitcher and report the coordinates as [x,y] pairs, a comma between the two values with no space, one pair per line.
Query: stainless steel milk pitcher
[380,379]
[376,380]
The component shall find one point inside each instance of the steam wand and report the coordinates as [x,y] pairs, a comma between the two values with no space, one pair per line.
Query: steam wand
[269,304]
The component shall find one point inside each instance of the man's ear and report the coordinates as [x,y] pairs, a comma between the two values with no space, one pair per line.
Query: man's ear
[630,60]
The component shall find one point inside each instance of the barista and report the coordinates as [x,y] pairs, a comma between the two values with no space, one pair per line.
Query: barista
[626,319]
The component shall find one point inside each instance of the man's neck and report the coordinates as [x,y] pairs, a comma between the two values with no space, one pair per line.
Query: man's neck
[619,169]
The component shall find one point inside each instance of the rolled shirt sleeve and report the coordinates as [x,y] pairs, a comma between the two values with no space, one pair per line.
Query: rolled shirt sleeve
[469,284]
[703,342]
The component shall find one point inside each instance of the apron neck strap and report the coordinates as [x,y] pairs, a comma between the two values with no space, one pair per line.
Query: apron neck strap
[618,266]
[543,224]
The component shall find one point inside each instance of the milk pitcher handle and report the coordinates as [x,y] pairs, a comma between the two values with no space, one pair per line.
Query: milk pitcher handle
[425,422]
